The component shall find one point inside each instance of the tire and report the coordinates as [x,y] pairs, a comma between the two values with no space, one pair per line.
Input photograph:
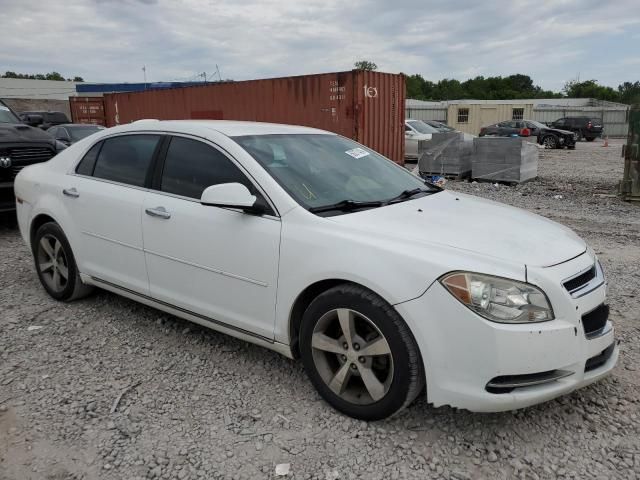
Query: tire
[339,373]
[590,139]
[550,142]
[53,257]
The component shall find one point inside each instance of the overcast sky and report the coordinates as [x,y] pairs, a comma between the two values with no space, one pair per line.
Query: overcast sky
[110,40]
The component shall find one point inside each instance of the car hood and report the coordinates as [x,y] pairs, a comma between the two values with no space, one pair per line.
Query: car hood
[17,132]
[559,130]
[472,224]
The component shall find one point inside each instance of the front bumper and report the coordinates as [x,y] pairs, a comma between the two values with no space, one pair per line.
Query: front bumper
[463,352]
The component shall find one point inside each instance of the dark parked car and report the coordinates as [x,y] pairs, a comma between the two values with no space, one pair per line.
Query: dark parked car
[69,133]
[548,136]
[20,145]
[49,119]
[588,128]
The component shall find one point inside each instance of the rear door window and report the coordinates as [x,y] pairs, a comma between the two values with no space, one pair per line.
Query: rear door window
[126,159]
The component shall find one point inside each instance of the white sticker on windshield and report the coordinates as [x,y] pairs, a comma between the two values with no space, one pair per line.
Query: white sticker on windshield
[357,152]
[4,108]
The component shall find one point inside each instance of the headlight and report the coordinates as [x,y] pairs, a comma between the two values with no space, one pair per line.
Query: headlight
[499,299]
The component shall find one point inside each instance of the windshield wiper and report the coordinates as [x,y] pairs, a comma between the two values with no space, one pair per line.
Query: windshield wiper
[346,206]
[407,194]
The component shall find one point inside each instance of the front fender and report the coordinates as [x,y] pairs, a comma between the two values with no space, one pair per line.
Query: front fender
[397,272]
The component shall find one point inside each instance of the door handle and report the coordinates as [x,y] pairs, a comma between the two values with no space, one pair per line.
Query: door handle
[159,212]
[71,192]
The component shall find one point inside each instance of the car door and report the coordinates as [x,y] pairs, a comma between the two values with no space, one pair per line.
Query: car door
[217,263]
[104,198]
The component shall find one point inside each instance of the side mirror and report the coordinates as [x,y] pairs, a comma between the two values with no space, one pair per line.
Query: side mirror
[409,133]
[33,119]
[230,195]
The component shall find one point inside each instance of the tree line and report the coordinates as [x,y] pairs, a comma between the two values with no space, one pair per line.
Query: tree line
[41,76]
[511,87]
[516,86]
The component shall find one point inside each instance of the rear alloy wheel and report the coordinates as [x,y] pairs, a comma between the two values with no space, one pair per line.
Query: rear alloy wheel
[550,142]
[577,136]
[56,265]
[359,353]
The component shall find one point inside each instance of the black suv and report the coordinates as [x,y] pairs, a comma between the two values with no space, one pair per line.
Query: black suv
[20,145]
[49,119]
[547,136]
[588,128]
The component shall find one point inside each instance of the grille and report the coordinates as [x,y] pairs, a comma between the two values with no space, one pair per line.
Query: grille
[577,282]
[595,320]
[27,155]
[21,157]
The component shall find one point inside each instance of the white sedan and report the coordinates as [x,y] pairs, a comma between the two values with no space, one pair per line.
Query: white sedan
[317,247]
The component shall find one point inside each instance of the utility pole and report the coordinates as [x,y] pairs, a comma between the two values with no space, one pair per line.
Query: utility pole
[144,72]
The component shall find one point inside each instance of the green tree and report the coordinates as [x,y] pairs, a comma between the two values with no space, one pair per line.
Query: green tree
[629,92]
[365,65]
[78,79]
[590,89]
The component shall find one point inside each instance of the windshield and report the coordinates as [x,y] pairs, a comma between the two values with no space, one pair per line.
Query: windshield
[319,170]
[78,133]
[421,127]
[536,124]
[439,125]
[7,116]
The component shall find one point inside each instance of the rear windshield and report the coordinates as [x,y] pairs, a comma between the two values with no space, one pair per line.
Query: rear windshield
[596,121]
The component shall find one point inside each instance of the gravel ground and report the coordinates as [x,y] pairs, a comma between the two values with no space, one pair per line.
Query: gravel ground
[108,388]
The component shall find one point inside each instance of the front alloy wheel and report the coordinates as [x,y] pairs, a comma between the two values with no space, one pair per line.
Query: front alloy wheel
[352,356]
[550,142]
[359,353]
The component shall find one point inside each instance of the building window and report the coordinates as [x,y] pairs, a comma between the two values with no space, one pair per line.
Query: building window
[518,114]
[463,115]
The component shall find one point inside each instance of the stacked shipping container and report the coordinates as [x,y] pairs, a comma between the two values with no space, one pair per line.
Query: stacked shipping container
[368,107]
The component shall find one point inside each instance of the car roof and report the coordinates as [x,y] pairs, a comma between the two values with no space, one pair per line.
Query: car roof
[230,128]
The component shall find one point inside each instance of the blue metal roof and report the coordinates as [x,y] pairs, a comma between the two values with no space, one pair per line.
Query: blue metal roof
[129,87]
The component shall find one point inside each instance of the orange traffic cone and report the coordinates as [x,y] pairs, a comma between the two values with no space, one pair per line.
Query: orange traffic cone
[606,141]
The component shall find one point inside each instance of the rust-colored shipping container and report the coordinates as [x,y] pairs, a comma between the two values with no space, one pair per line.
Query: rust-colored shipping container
[87,110]
[365,106]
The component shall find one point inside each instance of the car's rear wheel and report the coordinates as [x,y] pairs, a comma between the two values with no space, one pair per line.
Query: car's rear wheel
[359,353]
[550,142]
[577,136]
[56,265]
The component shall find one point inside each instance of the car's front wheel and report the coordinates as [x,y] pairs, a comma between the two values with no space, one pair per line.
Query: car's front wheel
[360,354]
[56,265]
[550,142]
